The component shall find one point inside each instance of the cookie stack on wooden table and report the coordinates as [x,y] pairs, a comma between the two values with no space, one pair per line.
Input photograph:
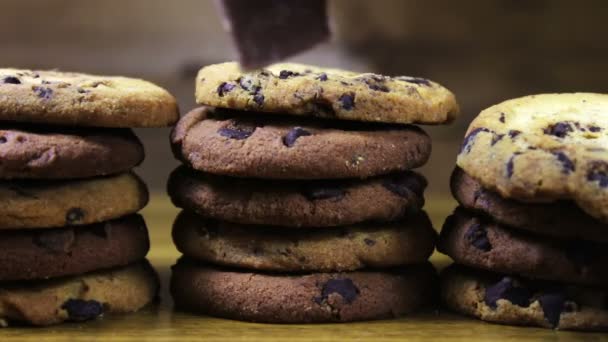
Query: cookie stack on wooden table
[299,200]
[530,235]
[72,247]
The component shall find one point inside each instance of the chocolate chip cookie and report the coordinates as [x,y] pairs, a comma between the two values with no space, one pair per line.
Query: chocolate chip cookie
[50,253]
[480,243]
[78,298]
[330,93]
[562,219]
[297,203]
[274,249]
[227,143]
[311,298]
[47,204]
[63,98]
[543,147]
[33,151]
[514,300]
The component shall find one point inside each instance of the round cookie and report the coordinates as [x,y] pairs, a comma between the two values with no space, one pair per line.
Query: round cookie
[79,298]
[29,151]
[512,300]
[311,298]
[562,219]
[348,248]
[51,253]
[479,243]
[223,142]
[307,90]
[64,98]
[543,147]
[297,203]
[49,204]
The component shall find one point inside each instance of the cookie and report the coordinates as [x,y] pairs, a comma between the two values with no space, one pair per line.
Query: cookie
[348,248]
[562,219]
[29,151]
[78,298]
[47,204]
[64,98]
[51,253]
[226,143]
[543,147]
[480,243]
[514,300]
[330,93]
[297,203]
[310,298]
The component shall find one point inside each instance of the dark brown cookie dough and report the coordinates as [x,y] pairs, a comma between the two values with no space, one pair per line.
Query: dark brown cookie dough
[373,245]
[514,300]
[562,219]
[478,242]
[312,298]
[50,253]
[273,147]
[297,203]
[31,151]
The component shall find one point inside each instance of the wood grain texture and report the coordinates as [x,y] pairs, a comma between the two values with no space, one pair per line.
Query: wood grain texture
[161,323]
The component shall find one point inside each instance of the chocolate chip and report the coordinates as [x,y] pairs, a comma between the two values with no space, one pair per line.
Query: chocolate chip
[74,215]
[510,165]
[560,129]
[345,287]
[247,83]
[415,80]
[290,139]
[553,305]
[322,77]
[404,185]
[3,140]
[56,241]
[225,88]
[347,101]
[507,289]
[477,236]
[237,131]
[466,144]
[502,117]
[285,74]
[258,99]
[598,172]
[567,163]
[324,192]
[43,92]
[513,133]
[496,138]
[11,80]
[369,242]
[82,310]
[595,129]
[376,83]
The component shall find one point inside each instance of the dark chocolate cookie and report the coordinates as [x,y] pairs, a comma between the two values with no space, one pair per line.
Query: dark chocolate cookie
[297,203]
[273,147]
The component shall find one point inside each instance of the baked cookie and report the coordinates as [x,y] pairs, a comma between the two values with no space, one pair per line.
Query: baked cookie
[480,243]
[543,147]
[29,151]
[223,142]
[51,253]
[78,298]
[348,248]
[297,203]
[64,98]
[331,93]
[312,298]
[513,300]
[562,219]
[48,204]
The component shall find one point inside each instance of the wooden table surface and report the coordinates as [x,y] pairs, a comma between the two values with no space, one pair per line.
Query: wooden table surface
[161,323]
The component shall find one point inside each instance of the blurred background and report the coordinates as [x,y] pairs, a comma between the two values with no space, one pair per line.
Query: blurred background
[484,51]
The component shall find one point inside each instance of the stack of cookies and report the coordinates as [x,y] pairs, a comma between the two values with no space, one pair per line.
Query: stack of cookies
[72,247]
[299,203]
[530,236]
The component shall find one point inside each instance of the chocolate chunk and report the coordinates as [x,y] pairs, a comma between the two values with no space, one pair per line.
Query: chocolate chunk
[345,287]
[415,80]
[224,88]
[11,80]
[508,290]
[513,133]
[598,172]
[404,185]
[290,139]
[322,77]
[477,236]
[82,310]
[324,192]
[347,101]
[560,129]
[567,163]
[43,92]
[369,242]
[553,306]
[285,74]
[74,215]
[466,144]
[502,117]
[56,241]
